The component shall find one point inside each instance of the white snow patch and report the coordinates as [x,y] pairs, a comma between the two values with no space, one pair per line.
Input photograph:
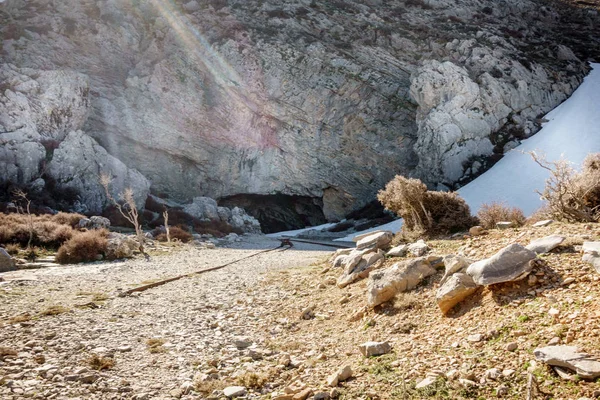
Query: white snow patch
[573,131]
[300,231]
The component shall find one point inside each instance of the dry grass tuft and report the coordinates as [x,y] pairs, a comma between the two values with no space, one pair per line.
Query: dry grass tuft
[12,249]
[70,219]
[20,318]
[83,247]
[208,386]
[425,213]
[490,214]
[255,380]
[176,233]
[100,363]
[155,345]
[54,310]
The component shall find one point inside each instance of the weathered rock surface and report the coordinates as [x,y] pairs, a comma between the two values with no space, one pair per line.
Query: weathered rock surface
[234,391]
[454,264]
[340,375]
[545,244]
[571,358]
[94,222]
[361,270]
[373,349]
[377,240]
[419,248]
[457,288]
[6,261]
[120,246]
[398,251]
[79,161]
[384,284]
[509,264]
[328,103]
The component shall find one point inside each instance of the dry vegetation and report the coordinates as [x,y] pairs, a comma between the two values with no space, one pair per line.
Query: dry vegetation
[425,212]
[100,363]
[490,214]
[175,233]
[86,246]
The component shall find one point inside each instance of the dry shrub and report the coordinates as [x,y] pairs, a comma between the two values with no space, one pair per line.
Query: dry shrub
[572,196]
[83,247]
[46,230]
[100,363]
[206,387]
[71,219]
[541,214]
[12,249]
[7,352]
[490,214]
[177,233]
[256,380]
[155,345]
[54,310]
[425,213]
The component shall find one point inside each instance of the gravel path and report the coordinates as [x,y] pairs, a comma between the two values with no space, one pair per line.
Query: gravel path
[196,319]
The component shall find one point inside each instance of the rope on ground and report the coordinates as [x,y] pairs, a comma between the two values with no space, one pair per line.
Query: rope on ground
[165,281]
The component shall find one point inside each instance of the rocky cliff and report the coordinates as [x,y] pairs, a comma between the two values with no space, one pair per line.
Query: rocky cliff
[322,102]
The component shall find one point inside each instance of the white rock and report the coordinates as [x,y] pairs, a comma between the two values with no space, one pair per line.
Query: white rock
[372,349]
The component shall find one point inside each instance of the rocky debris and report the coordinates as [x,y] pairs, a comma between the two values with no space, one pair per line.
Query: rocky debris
[94,222]
[203,208]
[6,261]
[308,313]
[121,246]
[360,271]
[591,254]
[384,284]
[377,240]
[505,225]
[206,209]
[340,375]
[419,248]
[454,264]
[476,230]
[569,357]
[541,224]
[398,251]
[509,264]
[545,244]
[373,349]
[234,391]
[454,290]
[242,342]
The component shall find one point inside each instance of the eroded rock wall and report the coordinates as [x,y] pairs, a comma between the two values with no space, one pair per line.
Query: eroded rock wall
[325,100]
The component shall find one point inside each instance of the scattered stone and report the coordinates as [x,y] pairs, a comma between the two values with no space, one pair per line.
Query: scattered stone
[242,343]
[377,240]
[94,222]
[509,264]
[585,366]
[430,380]
[454,264]
[543,223]
[419,248]
[545,244]
[504,225]
[512,346]
[475,338]
[398,251]
[302,395]
[457,288]
[321,396]
[372,349]
[234,391]
[384,284]
[340,375]
[554,341]
[6,261]
[476,230]
[308,313]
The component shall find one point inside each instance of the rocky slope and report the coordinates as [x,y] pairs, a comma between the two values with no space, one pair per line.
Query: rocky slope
[322,102]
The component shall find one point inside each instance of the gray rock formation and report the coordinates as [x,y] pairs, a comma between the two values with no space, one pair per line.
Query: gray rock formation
[584,365]
[509,264]
[6,261]
[79,161]
[454,290]
[545,244]
[325,102]
[384,284]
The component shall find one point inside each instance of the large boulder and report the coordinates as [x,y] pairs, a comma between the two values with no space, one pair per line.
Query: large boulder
[509,264]
[378,240]
[584,365]
[120,246]
[6,261]
[203,208]
[78,163]
[457,288]
[454,264]
[384,284]
[94,222]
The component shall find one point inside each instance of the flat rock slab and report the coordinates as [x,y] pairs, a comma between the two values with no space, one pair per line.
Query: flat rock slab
[593,260]
[591,247]
[398,251]
[504,225]
[509,264]
[361,270]
[569,357]
[457,288]
[234,391]
[372,349]
[377,240]
[419,248]
[545,244]
[384,284]
[340,375]
[543,223]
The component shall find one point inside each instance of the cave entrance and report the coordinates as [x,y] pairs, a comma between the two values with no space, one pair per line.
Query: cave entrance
[279,212]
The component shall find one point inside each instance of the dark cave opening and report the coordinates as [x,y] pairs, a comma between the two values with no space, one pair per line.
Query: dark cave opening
[279,212]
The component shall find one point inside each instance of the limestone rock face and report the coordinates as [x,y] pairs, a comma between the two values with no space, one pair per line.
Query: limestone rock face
[326,103]
[78,162]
